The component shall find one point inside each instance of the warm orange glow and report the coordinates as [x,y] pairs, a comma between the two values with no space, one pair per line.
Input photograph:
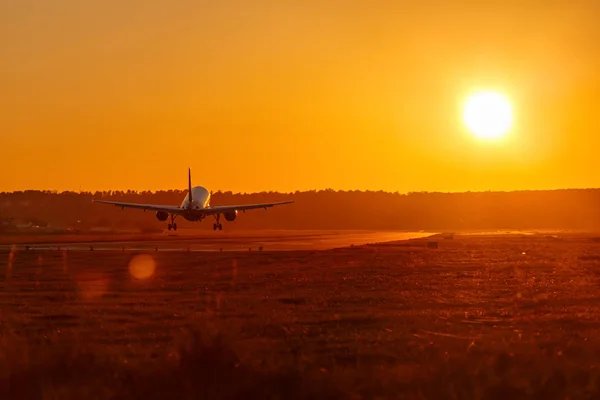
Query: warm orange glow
[297,95]
[488,114]
[142,266]
[11,259]
[92,285]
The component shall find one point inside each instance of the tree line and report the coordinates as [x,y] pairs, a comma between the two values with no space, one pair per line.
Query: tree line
[325,209]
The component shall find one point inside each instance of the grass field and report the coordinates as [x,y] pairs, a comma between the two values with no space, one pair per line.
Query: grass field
[180,235]
[481,317]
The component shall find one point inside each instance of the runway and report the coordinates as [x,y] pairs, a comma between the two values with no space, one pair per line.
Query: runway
[219,241]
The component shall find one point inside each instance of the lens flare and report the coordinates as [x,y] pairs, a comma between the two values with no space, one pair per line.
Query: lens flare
[142,266]
[11,259]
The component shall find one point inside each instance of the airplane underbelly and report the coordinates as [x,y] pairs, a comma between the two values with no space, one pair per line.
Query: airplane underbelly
[193,217]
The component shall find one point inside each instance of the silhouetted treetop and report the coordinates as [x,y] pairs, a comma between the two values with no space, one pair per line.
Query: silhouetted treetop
[330,209]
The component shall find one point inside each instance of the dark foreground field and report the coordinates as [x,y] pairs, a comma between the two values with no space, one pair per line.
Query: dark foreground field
[479,317]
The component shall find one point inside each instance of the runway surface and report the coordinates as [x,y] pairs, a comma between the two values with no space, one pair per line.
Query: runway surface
[222,241]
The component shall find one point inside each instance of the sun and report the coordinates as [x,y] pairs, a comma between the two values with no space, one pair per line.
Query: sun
[488,115]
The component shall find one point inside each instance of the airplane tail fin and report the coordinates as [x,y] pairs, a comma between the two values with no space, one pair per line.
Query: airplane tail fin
[190,184]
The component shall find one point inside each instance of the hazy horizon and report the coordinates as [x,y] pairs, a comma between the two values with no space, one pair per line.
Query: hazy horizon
[234,192]
[330,209]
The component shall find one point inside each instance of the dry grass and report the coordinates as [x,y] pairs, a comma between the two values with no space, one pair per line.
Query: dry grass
[189,234]
[480,317]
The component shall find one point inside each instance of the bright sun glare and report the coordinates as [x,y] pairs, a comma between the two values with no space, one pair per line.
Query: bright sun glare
[488,115]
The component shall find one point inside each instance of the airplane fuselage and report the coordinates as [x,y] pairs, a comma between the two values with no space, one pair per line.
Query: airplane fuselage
[200,199]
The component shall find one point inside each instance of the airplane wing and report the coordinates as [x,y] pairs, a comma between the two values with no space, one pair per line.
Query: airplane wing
[153,207]
[242,207]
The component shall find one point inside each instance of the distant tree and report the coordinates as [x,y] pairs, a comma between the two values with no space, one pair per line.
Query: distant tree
[559,209]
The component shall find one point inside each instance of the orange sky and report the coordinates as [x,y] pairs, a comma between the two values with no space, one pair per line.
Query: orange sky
[294,95]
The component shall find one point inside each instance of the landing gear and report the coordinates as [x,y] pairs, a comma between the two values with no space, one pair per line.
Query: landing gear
[172,225]
[217,225]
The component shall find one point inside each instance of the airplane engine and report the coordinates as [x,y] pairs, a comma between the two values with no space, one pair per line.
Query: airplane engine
[162,216]
[230,215]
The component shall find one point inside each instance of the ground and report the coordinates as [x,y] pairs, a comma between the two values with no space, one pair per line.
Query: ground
[490,317]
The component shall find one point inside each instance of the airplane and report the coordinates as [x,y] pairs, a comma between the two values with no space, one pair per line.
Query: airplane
[195,207]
